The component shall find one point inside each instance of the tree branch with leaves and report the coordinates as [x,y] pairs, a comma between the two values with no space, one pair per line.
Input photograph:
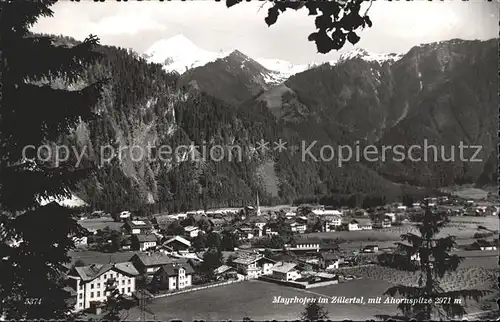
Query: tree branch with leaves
[336,21]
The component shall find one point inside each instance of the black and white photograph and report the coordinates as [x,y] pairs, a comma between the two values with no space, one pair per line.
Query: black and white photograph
[249,160]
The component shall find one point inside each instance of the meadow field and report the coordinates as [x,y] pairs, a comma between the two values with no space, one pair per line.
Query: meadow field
[100,223]
[461,227]
[254,299]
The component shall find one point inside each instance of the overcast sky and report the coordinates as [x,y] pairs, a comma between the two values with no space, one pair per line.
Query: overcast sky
[397,26]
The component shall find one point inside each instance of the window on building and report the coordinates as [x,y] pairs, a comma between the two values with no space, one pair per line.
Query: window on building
[92,286]
[80,296]
[123,282]
[123,290]
[105,276]
[128,289]
[91,295]
[98,293]
[129,280]
[81,286]
[98,285]
[81,305]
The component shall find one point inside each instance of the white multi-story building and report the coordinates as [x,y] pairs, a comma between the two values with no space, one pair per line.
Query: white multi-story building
[90,282]
[285,271]
[174,276]
[253,265]
[353,225]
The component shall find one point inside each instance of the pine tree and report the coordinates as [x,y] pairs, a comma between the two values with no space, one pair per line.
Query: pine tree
[430,256]
[115,302]
[34,239]
[314,312]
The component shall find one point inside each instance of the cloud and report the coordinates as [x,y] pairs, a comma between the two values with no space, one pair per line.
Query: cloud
[397,26]
[130,24]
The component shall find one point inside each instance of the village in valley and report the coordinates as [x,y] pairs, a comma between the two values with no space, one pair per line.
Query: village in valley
[170,260]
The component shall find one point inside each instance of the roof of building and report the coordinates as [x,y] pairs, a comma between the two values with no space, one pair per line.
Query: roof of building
[179,239]
[91,272]
[283,267]
[172,269]
[371,246]
[143,238]
[329,256]
[308,241]
[326,275]
[191,228]
[247,259]
[222,269]
[152,260]
[139,224]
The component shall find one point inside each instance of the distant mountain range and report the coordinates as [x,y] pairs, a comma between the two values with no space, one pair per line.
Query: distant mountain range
[441,92]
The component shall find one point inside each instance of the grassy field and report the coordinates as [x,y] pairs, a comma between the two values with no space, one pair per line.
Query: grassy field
[461,227]
[255,300]
[467,192]
[473,272]
[100,223]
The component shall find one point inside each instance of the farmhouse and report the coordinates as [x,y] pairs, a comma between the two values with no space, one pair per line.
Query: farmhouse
[253,265]
[143,242]
[298,228]
[245,233]
[285,271]
[149,263]
[191,231]
[329,261]
[90,282]
[177,243]
[370,249]
[136,227]
[353,225]
[225,272]
[364,224]
[485,245]
[80,241]
[391,216]
[332,221]
[124,215]
[174,276]
[386,223]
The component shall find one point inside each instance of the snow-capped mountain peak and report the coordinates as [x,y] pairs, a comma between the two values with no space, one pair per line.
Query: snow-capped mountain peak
[179,54]
[360,53]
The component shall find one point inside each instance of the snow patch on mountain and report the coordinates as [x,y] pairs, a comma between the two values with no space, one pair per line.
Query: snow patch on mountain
[282,69]
[178,54]
[360,53]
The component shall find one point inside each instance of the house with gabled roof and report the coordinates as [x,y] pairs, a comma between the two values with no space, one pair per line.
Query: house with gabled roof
[143,242]
[150,263]
[135,227]
[90,282]
[329,260]
[176,275]
[253,265]
[176,243]
[285,271]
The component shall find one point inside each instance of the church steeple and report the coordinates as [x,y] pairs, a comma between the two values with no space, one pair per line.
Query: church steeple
[258,205]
